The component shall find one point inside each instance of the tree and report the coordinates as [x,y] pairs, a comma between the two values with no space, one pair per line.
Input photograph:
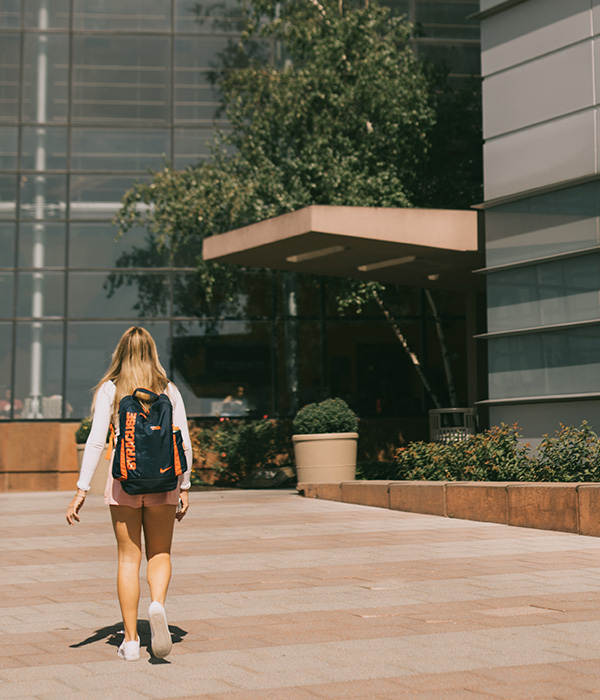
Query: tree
[347,118]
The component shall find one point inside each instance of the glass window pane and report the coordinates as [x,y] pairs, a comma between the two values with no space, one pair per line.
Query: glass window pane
[211,360]
[121,295]
[207,16]
[89,350]
[10,14]
[556,222]
[94,245]
[43,196]
[196,98]
[7,285]
[42,245]
[41,294]
[39,370]
[119,149]
[44,148]
[9,76]
[8,147]
[98,196]
[192,146]
[5,371]
[8,196]
[448,20]
[545,364]
[251,298]
[557,292]
[45,78]
[120,79]
[123,15]
[7,245]
[56,17]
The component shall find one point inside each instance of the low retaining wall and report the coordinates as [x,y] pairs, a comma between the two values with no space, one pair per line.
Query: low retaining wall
[547,506]
[38,456]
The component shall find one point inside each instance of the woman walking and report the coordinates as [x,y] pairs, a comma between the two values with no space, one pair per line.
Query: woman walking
[135,364]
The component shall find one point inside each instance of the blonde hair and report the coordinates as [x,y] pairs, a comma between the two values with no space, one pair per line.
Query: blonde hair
[134,364]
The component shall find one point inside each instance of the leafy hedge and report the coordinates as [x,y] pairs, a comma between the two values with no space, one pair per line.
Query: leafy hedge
[572,454]
[239,447]
[329,416]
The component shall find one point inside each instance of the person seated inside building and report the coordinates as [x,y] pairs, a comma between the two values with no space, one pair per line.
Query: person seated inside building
[6,403]
[235,404]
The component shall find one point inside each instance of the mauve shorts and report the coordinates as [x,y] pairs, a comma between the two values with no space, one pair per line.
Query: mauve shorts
[115,496]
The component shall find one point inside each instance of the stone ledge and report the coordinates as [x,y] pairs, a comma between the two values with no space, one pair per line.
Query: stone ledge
[565,507]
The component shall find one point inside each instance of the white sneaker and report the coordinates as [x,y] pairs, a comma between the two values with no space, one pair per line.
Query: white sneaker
[130,651]
[160,636]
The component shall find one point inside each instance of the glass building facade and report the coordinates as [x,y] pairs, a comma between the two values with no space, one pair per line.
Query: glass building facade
[93,93]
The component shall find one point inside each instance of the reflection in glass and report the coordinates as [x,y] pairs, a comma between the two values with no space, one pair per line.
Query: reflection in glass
[196,98]
[249,297]
[192,146]
[545,364]
[8,147]
[558,292]
[448,20]
[10,14]
[208,16]
[6,402]
[39,370]
[556,222]
[96,245]
[57,13]
[124,295]
[122,15]
[9,76]
[45,78]
[43,196]
[7,244]
[42,245]
[89,349]
[98,196]
[8,196]
[44,148]
[120,79]
[119,149]
[40,294]
[7,285]
[211,361]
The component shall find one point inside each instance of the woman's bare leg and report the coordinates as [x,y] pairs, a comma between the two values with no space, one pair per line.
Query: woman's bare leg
[158,524]
[127,524]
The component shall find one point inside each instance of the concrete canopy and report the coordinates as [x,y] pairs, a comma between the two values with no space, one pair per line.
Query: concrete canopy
[416,247]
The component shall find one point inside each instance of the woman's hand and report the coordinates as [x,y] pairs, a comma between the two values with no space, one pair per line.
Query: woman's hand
[75,507]
[184,498]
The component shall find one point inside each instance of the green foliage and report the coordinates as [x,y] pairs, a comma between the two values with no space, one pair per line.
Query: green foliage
[83,431]
[241,447]
[573,454]
[329,416]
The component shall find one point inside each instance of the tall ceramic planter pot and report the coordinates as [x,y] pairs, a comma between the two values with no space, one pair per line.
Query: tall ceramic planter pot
[325,457]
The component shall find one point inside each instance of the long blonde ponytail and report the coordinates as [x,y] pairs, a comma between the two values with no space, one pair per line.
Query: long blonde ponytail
[134,363]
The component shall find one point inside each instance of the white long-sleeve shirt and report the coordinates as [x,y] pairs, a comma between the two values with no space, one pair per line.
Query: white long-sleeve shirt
[102,417]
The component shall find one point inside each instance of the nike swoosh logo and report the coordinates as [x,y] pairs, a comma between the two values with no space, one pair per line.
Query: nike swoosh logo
[162,471]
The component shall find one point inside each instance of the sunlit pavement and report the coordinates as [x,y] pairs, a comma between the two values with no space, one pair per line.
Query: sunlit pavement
[279,597]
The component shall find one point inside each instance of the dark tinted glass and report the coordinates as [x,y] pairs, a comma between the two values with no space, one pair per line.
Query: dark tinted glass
[45,78]
[97,245]
[41,294]
[42,245]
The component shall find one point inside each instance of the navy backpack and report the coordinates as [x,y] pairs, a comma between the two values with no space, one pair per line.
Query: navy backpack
[149,454]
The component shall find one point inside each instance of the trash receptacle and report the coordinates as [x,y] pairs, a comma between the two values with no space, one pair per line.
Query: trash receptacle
[452,424]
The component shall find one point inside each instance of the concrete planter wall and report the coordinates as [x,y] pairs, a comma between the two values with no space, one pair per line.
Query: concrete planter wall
[325,458]
[566,507]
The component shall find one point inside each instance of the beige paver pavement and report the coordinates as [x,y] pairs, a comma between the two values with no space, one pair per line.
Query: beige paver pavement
[284,598]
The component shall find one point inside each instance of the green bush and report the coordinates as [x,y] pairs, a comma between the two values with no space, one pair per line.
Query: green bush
[83,431]
[329,416]
[573,454]
[240,447]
